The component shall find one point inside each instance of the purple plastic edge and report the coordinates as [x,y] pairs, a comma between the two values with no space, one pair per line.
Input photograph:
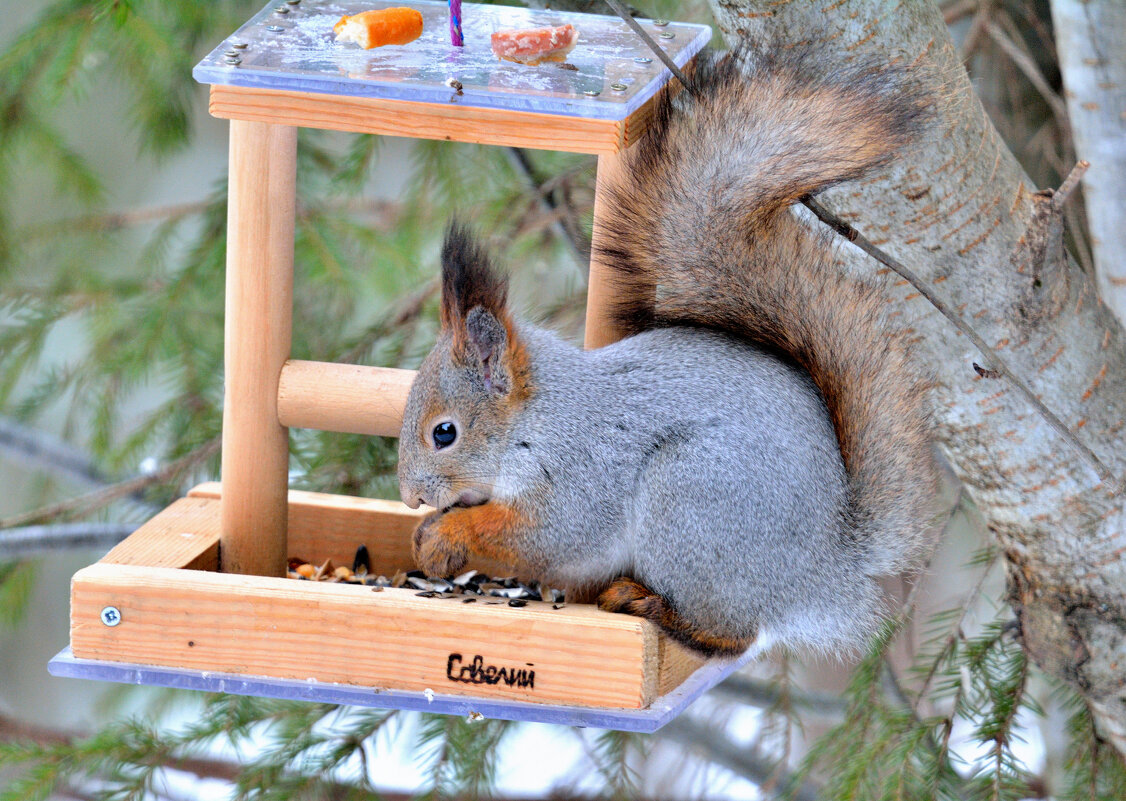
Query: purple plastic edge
[660,712]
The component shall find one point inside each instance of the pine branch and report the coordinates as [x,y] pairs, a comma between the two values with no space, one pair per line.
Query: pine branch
[711,743]
[93,501]
[765,694]
[29,542]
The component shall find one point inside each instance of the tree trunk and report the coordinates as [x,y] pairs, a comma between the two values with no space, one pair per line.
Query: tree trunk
[1091,40]
[961,212]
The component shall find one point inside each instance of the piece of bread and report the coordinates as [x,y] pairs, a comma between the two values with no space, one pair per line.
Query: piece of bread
[386,26]
[535,45]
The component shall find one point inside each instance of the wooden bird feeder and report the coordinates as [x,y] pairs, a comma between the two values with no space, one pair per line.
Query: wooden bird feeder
[197,597]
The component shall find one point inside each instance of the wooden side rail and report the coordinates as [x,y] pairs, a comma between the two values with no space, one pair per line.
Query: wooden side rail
[349,398]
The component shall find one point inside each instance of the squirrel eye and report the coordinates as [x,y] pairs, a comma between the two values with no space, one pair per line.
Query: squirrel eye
[444,435]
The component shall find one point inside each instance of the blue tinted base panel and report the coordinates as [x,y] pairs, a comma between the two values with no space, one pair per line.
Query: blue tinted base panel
[664,709]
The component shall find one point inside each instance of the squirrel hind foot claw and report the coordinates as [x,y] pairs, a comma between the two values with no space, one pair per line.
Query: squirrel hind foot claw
[630,597]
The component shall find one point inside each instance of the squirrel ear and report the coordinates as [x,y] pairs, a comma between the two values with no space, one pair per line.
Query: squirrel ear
[469,280]
[488,340]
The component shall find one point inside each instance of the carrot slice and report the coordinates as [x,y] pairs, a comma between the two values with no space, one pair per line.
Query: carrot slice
[535,45]
[385,26]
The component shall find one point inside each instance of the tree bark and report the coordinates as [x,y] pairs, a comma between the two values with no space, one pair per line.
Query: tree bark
[1091,40]
[962,213]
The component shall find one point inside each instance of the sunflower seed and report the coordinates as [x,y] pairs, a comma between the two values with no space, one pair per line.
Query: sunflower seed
[463,579]
[362,560]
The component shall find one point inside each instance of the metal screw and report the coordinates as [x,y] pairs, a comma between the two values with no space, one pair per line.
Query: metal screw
[239,45]
[591,92]
[233,60]
[281,10]
[111,616]
[618,87]
[667,35]
[660,23]
[293,2]
[643,60]
[275,28]
[232,53]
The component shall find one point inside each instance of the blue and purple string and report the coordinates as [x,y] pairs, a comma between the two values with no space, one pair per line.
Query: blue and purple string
[456,38]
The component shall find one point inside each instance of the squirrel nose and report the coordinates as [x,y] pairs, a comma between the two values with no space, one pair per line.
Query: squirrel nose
[408,491]
[415,493]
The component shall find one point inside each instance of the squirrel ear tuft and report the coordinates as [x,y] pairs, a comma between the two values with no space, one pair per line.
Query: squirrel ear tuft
[488,340]
[469,279]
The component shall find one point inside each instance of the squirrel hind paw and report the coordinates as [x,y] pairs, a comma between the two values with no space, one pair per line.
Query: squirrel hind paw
[627,596]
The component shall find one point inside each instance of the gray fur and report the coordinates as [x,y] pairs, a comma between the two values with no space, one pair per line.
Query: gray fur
[701,466]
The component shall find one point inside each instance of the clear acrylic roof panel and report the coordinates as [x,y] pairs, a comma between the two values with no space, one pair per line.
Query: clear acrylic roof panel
[610,73]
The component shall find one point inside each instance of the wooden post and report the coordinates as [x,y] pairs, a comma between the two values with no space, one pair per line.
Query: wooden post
[259,310]
[600,328]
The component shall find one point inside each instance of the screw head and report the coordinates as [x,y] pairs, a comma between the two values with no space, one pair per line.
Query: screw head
[275,28]
[660,23]
[111,616]
[618,87]
[667,35]
[591,92]
[233,60]
[293,2]
[239,45]
[232,53]
[643,60]
[281,10]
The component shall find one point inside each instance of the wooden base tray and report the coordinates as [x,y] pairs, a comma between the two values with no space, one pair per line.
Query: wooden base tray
[172,612]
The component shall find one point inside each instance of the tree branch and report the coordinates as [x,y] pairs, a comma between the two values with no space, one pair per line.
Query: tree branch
[1027,66]
[997,364]
[1091,41]
[564,233]
[30,542]
[962,212]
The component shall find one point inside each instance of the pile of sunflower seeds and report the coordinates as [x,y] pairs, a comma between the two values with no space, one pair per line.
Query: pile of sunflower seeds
[470,586]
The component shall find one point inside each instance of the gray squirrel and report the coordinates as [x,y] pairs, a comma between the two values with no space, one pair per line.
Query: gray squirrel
[743,466]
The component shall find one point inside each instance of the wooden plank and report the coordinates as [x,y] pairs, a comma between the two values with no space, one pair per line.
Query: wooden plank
[422,120]
[259,310]
[675,663]
[323,526]
[185,535]
[351,398]
[340,633]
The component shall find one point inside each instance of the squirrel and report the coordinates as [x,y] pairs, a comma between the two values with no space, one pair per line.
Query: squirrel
[743,466]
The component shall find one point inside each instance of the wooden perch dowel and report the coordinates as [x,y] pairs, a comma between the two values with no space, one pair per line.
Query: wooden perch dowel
[349,398]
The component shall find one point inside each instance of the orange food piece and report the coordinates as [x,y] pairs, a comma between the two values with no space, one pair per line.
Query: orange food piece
[535,45]
[385,26]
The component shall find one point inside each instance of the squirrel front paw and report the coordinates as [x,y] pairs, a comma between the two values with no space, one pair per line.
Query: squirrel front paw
[435,552]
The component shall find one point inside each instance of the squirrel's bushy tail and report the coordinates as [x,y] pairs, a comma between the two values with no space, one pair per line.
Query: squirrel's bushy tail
[699,232]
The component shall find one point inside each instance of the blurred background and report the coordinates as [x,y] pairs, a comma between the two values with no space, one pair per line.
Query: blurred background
[112,225]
